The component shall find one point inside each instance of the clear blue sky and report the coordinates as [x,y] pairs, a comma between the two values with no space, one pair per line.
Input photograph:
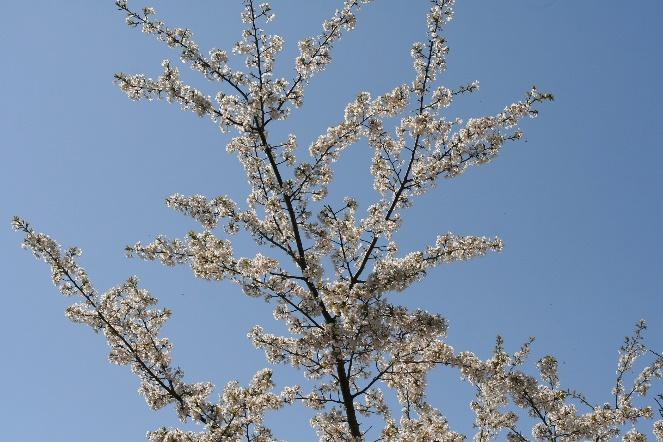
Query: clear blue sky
[579,205]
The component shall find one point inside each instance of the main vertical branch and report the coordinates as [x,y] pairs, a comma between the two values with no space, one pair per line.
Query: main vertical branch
[342,374]
[260,123]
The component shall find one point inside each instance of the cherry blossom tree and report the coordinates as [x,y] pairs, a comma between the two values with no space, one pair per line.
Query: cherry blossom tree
[329,268]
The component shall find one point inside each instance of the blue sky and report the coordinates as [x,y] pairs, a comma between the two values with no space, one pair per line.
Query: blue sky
[578,205]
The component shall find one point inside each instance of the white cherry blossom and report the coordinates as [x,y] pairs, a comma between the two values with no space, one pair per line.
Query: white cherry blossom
[331,269]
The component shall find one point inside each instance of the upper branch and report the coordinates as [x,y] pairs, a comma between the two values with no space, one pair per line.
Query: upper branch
[214,68]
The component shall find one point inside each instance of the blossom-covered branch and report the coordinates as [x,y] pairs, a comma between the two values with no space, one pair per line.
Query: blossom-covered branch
[131,327]
[329,269]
